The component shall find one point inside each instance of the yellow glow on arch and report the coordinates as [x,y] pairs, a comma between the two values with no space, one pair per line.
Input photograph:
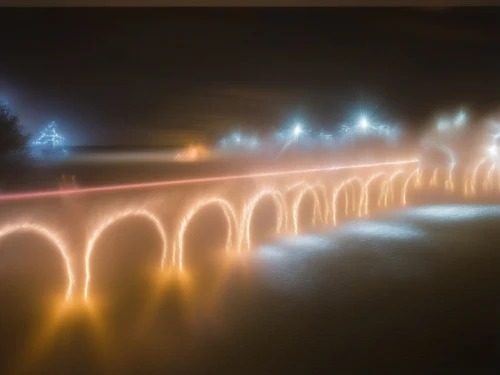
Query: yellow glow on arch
[52,237]
[109,221]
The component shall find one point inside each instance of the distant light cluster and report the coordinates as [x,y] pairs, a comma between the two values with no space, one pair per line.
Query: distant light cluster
[366,127]
[50,143]
[293,132]
[299,135]
[50,137]
[447,123]
[240,141]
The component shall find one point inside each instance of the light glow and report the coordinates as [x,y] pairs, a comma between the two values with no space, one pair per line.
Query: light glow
[113,219]
[54,239]
[298,200]
[229,214]
[363,123]
[201,180]
[297,130]
[367,189]
[342,186]
[246,219]
[49,137]
[405,186]
[493,151]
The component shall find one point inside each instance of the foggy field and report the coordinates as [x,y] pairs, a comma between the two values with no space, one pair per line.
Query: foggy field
[413,291]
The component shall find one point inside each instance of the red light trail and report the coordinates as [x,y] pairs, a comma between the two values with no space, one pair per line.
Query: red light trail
[146,185]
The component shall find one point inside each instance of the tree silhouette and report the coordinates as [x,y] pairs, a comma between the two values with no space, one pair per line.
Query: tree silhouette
[13,139]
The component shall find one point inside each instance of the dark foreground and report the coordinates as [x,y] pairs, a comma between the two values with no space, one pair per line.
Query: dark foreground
[410,293]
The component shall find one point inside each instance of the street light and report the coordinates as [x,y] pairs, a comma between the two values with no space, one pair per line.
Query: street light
[297,130]
[363,123]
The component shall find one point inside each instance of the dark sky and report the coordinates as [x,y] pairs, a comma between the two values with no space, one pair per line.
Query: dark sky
[171,76]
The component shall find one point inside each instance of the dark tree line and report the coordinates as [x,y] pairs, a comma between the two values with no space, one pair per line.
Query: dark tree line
[13,138]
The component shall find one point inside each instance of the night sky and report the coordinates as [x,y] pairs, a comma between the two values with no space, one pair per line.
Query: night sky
[175,76]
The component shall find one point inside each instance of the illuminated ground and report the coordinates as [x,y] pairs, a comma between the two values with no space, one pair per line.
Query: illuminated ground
[409,292]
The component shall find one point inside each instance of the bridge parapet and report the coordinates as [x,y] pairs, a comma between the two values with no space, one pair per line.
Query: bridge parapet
[74,220]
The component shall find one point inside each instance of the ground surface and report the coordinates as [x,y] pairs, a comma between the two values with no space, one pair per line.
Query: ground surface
[412,292]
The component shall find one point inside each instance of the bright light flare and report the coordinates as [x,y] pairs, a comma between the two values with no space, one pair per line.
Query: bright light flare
[363,123]
[297,130]
[493,151]
[365,127]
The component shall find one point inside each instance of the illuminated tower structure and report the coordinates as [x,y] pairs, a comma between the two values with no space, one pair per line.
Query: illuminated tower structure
[50,142]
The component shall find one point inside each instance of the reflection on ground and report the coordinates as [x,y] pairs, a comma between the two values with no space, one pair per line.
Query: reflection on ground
[407,292]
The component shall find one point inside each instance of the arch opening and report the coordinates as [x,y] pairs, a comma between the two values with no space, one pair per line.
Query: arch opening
[307,209]
[121,218]
[199,208]
[374,190]
[406,186]
[266,217]
[352,190]
[56,243]
[393,187]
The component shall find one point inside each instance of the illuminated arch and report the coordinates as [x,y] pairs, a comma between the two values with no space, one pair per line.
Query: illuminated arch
[228,211]
[326,208]
[452,161]
[475,172]
[295,185]
[434,180]
[449,184]
[353,197]
[246,221]
[298,200]
[56,240]
[466,187]
[113,219]
[420,173]
[488,182]
[342,186]
[389,187]
[415,173]
[367,188]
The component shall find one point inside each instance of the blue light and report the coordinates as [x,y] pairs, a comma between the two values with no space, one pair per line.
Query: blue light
[297,130]
[298,135]
[363,123]
[461,118]
[49,137]
[239,141]
[49,143]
